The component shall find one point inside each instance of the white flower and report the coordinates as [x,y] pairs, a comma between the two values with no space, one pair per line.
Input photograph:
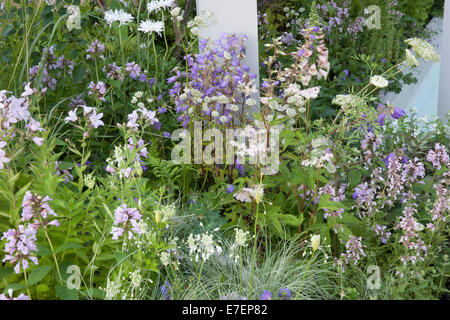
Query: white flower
[348,101]
[379,82]
[118,16]
[241,237]
[175,12]
[158,5]
[72,116]
[74,19]
[424,49]
[411,59]
[150,26]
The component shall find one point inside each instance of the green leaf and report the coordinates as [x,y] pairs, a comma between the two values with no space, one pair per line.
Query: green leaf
[43,250]
[5,272]
[15,286]
[68,245]
[65,293]
[78,74]
[38,274]
[43,288]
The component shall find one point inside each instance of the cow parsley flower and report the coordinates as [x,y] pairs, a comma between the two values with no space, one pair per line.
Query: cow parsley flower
[150,26]
[379,81]
[423,49]
[411,59]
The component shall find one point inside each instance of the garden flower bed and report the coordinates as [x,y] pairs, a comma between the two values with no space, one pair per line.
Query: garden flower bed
[139,160]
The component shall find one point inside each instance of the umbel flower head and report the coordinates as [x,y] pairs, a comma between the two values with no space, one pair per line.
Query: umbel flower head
[379,81]
[411,59]
[423,49]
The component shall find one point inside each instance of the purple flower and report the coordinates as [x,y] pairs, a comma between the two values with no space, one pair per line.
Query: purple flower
[10,293]
[381,118]
[127,219]
[165,290]
[388,158]
[230,188]
[398,113]
[266,295]
[20,246]
[284,293]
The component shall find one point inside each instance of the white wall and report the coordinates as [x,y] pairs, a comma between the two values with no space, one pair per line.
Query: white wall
[444,85]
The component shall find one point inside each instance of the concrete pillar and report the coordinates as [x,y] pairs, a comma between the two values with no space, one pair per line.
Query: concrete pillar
[444,84]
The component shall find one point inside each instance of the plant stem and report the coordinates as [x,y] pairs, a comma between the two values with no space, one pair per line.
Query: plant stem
[304,276]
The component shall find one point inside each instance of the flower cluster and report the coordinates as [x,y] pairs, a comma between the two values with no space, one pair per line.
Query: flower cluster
[202,247]
[52,67]
[320,155]
[10,297]
[127,219]
[36,209]
[354,251]
[126,161]
[91,117]
[248,194]
[218,83]
[438,156]
[118,15]
[337,195]
[423,49]
[14,111]
[20,247]
[95,50]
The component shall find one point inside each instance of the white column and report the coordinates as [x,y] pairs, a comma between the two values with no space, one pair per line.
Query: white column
[235,16]
[444,84]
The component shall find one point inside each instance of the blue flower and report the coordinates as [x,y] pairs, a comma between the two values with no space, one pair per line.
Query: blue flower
[165,290]
[266,295]
[284,293]
[381,118]
[398,113]
[230,188]
[388,157]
